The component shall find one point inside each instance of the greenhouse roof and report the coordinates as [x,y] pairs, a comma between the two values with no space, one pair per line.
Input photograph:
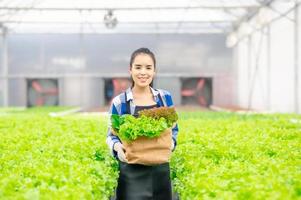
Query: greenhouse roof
[126,16]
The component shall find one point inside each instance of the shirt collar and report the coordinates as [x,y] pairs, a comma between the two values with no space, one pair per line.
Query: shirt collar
[129,93]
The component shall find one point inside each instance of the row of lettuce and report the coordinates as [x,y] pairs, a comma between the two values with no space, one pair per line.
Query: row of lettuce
[219,155]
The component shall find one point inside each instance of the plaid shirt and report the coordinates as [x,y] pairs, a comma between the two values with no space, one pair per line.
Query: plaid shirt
[118,106]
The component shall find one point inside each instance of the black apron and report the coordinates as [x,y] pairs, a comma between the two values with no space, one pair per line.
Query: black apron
[140,182]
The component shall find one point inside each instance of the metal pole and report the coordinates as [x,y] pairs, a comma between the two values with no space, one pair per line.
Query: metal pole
[5,67]
[268,101]
[249,71]
[296,57]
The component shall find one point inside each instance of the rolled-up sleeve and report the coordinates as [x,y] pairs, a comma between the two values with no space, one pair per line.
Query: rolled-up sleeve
[112,139]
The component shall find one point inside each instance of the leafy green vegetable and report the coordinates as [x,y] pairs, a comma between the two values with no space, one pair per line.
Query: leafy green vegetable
[150,123]
[168,113]
[130,127]
[238,156]
[117,121]
[42,157]
[218,156]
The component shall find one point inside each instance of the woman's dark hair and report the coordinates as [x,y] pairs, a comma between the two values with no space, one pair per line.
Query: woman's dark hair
[142,51]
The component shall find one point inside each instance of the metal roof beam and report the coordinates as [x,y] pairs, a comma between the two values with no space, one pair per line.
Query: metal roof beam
[120,22]
[6,8]
[252,12]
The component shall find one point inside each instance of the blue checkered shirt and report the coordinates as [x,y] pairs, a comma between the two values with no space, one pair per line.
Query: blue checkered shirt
[118,106]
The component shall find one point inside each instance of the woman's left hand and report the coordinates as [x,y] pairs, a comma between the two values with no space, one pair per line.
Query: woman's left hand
[172,145]
[120,152]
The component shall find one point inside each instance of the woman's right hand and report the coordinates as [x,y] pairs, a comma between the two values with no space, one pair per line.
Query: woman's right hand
[119,148]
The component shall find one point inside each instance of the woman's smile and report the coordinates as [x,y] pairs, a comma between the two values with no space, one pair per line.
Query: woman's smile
[143,78]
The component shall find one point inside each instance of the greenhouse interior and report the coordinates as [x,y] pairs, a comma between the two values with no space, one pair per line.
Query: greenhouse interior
[231,69]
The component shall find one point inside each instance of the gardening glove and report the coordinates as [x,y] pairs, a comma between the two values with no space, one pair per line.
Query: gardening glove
[119,148]
[172,145]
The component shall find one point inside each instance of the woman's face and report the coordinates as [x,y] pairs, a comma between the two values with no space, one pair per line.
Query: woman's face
[142,70]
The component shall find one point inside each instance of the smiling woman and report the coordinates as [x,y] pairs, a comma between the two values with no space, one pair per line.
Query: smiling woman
[138,181]
[142,67]
[142,70]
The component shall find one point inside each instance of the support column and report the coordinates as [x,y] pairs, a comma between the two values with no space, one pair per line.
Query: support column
[268,101]
[296,58]
[5,66]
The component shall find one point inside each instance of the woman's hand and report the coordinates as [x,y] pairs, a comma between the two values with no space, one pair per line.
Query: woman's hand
[119,148]
[172,145]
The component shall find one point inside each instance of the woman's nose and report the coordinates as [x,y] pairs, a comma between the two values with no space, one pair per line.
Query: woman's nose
[143,70]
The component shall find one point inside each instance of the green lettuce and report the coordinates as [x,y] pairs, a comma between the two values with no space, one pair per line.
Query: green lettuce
[128,127]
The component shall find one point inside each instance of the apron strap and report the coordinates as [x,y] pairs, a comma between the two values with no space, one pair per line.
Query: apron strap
[127,105]
[161,99]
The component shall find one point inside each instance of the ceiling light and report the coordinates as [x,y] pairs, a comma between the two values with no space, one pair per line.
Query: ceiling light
[110,20]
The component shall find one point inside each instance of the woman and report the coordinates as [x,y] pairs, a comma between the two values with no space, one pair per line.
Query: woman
[139,182]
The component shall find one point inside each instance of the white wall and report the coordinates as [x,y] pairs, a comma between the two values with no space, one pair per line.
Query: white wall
[1,92]
[266,69]
[82,91]
[242,72]
[223,90]
[258,73]
[299,59]
[282,66]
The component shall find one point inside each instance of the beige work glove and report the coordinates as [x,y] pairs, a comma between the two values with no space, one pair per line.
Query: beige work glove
[119,148]
[172,145]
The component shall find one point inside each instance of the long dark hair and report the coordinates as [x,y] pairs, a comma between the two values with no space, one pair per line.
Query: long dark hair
[146,51]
